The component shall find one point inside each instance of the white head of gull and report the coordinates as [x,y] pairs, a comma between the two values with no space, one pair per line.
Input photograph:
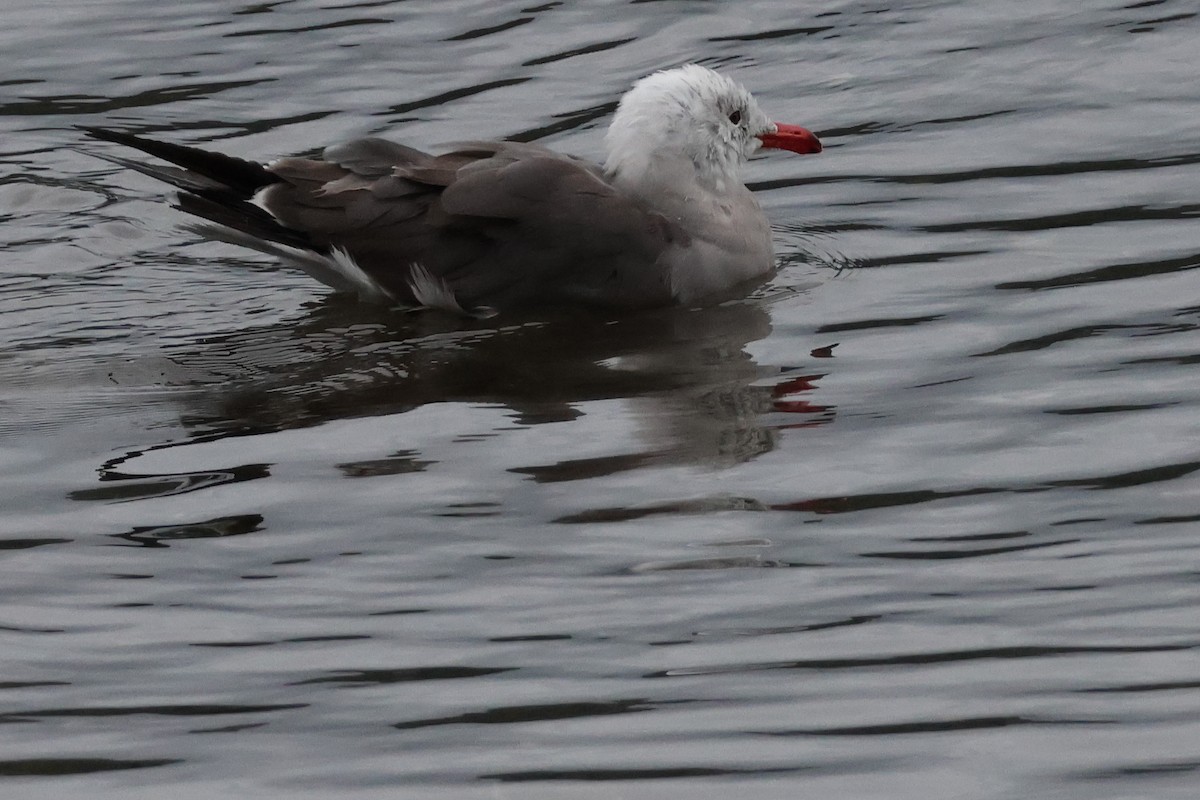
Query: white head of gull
[490,226]
[690,115]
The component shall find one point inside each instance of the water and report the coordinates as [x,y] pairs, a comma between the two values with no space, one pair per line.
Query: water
[917,520]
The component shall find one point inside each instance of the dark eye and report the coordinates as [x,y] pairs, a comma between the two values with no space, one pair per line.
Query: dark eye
[736,117]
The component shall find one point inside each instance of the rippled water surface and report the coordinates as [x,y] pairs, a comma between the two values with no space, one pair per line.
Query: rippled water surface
[918,519]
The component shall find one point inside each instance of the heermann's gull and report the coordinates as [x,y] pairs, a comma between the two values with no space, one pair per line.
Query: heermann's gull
[491,226]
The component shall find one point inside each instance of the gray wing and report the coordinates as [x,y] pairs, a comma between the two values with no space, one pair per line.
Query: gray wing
[500,224]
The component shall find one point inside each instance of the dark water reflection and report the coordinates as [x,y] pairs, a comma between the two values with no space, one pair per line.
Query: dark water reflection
[337,362]
[918,519]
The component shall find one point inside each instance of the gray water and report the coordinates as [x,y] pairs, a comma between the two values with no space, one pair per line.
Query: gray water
[918,519]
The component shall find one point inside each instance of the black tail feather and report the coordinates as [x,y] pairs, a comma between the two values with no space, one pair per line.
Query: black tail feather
[183,179]
[245,217]
[243,177]
[214,186]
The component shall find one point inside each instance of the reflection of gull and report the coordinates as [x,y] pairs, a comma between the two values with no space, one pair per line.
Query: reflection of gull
[685,375]
[495,226]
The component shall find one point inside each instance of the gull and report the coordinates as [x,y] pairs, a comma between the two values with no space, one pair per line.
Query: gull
[488,227]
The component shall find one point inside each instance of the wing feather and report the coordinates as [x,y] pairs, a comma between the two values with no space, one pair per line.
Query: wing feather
[500,223]
[490,224]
